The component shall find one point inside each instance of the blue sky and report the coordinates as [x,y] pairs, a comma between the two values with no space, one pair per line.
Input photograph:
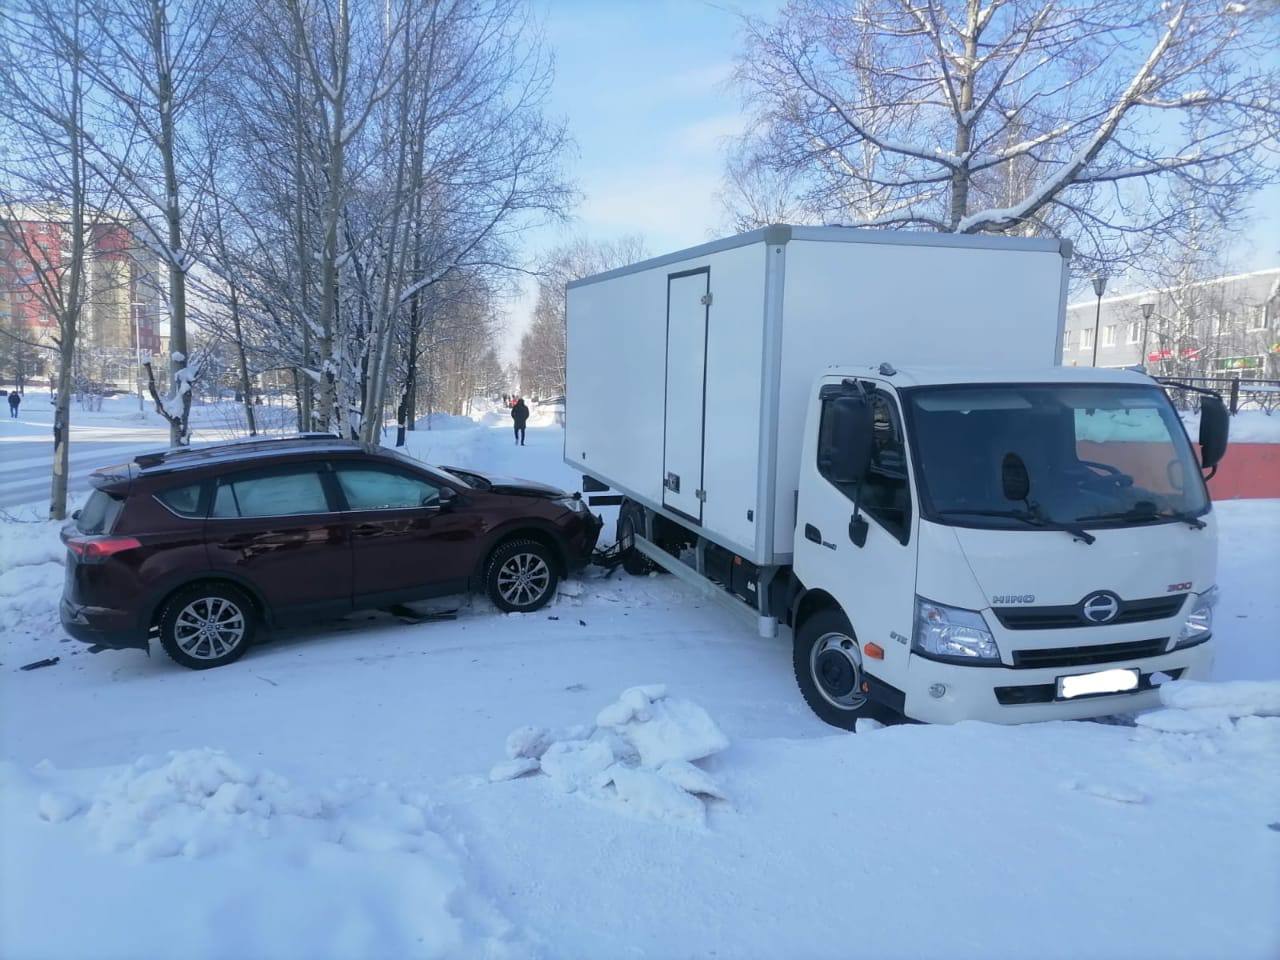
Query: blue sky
[643,86]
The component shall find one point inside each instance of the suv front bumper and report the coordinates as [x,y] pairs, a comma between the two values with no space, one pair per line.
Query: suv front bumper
[975,693]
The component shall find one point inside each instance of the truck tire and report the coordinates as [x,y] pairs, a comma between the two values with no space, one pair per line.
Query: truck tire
[828,668]
[633,561]
[207,625]
[521,576]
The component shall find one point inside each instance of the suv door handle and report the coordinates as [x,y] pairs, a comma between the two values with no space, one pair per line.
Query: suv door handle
[366,529]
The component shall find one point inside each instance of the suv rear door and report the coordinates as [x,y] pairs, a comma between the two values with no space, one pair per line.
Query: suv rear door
[406,543]
[280,529]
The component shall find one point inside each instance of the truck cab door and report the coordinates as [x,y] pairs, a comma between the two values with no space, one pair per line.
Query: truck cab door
[874,582]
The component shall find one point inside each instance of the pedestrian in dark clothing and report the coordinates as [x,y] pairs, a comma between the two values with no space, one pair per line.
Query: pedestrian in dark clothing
[15,398]
[519,417]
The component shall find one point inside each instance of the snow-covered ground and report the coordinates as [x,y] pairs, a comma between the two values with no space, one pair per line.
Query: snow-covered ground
[343,790]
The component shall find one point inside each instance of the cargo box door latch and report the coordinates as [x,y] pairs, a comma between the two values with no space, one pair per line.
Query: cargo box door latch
[672,482]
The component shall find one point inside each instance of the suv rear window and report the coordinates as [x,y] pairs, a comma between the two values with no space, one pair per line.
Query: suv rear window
[99,513]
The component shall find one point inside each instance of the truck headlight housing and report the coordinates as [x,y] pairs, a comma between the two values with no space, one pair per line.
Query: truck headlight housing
[949,633]
[1200,620]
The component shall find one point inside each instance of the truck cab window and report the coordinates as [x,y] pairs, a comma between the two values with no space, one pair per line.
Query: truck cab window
[885,494]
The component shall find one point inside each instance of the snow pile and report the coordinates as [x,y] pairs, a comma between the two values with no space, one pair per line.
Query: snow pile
[1193,707]
[639,755]
[353,870]
[31,574]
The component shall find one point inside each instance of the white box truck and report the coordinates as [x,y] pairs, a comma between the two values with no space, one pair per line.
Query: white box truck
[867,437]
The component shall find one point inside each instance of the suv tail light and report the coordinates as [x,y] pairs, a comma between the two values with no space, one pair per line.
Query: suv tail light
[97,549]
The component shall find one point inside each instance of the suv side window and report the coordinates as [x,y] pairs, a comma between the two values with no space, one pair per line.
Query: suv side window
[375,488]
[885,494]
[282,494]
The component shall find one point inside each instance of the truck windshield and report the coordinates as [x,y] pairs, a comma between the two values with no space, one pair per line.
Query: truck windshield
[1095,456]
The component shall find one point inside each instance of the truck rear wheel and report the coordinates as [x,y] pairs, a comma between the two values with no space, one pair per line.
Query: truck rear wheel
[828,668]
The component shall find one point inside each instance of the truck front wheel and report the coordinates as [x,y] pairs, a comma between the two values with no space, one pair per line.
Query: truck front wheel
[630,522]
[828,667]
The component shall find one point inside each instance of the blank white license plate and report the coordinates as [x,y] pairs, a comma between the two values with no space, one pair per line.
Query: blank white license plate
[1104,681]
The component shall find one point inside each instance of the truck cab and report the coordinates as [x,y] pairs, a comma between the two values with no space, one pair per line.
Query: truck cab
[1006,546]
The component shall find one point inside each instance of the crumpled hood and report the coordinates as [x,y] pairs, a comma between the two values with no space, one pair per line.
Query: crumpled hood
[1014,566]
[514,486]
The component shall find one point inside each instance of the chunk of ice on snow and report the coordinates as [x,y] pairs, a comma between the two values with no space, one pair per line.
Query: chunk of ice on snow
[691,779]
[573,764]
[510,769]
[632,705]
[57,807]
[866,725]
[675,730]
[528,742]
[656,797]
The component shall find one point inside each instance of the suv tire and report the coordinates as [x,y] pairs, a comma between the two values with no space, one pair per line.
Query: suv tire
[207,625]
[521,576]
[828,668]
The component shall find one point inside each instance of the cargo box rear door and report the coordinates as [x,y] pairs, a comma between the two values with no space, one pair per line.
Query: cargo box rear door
[688,312]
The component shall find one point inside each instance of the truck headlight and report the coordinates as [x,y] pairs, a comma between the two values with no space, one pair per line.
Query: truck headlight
[1200,620]
[942,631]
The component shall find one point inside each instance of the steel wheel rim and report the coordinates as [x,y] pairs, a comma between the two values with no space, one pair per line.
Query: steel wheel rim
[523,579]
[209,628]
[835,666]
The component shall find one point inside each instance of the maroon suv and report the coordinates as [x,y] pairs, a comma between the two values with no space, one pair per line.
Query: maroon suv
[202,546]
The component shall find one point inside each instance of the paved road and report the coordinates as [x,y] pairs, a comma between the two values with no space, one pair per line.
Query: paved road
[26,458]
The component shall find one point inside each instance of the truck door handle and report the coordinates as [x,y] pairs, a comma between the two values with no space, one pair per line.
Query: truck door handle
[812,533]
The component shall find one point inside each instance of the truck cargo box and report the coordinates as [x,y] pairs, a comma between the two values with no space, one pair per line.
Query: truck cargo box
[688,375]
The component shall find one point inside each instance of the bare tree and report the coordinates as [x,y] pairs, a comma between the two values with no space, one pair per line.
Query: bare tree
[52,207]
[542,348]
[1081,118]
[154,66]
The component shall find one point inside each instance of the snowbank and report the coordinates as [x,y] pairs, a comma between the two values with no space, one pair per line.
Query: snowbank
[638,756]
[225,860]
[1247,426]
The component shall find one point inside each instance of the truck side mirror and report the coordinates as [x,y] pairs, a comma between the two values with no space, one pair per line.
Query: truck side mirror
[1215,425]
[1014,479]
[847,436]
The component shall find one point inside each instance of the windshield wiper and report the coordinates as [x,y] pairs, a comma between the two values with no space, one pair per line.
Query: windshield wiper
[1148,516]
[1034,518]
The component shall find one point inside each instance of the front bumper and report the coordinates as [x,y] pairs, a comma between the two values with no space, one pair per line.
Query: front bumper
[101,626]
[975,693]
[583,542]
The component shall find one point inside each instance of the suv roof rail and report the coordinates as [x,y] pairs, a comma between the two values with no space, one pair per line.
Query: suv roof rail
[154,458]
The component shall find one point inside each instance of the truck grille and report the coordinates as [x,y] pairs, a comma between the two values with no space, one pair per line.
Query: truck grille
[1087,656]
[1048,692]
[1072,615]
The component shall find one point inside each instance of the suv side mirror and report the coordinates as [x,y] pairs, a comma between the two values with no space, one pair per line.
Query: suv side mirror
[1215,424]
[445,499]
[847,437]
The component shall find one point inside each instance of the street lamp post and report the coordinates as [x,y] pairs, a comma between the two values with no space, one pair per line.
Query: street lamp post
[1147,309]
[1099,287]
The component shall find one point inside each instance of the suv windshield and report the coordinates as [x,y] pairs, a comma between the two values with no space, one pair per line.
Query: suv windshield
[1095,456]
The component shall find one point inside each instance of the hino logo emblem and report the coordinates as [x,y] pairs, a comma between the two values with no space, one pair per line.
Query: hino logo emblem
[1100,607]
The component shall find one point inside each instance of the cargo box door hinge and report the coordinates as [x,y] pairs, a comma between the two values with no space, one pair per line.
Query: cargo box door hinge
[706,299]
[701,495]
